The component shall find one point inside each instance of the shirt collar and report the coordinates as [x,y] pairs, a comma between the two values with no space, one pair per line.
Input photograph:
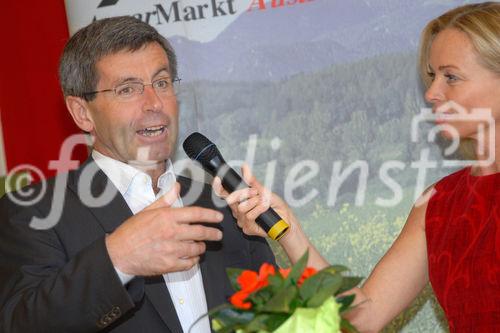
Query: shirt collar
[122,174]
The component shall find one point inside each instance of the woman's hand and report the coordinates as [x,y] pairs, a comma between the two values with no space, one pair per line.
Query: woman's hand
[247,204]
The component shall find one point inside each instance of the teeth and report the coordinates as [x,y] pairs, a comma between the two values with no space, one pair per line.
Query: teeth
[152,131]
[155,128]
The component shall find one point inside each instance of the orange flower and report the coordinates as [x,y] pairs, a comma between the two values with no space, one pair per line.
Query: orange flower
[264,272]
[284,272]
[238,300]
[308,272]
[248,281]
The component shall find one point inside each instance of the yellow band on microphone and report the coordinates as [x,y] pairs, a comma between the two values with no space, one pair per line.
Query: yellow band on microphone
[278,230]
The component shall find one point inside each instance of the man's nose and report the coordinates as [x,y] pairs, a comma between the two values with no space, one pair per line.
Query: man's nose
[152,101]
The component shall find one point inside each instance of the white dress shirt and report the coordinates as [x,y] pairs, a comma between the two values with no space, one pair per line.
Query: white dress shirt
[185,287]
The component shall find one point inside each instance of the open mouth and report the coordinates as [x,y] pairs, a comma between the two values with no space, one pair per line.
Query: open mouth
[152,131]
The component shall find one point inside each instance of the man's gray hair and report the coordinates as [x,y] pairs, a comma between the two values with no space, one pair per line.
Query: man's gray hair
[77,67]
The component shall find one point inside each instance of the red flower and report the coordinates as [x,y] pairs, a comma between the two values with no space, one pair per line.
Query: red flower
[238,300]
[284,272]
[264,272]
[308,272]
[250,282]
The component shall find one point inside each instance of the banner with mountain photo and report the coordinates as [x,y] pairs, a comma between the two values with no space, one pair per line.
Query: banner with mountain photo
[320,97]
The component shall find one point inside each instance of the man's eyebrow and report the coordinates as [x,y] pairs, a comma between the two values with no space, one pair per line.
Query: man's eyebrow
[125,79]
[162,69]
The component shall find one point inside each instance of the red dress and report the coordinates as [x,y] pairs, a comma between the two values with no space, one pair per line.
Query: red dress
[463,247]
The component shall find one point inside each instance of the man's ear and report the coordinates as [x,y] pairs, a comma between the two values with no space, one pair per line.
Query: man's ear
[79,110]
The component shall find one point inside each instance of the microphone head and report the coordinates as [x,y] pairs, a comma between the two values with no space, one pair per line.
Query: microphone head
[199,148]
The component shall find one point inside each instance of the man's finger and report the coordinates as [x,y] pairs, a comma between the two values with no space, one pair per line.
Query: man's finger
[194,214]
[190,249]
[198,233]
[184,264]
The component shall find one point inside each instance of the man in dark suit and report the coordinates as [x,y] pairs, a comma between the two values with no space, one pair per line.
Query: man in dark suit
[126,253]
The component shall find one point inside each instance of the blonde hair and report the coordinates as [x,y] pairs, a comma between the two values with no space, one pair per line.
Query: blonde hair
[481,23]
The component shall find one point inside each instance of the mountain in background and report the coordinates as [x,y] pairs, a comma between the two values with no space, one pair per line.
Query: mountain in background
[311,36]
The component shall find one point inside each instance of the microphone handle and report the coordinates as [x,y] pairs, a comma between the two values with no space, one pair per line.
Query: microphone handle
[270,221]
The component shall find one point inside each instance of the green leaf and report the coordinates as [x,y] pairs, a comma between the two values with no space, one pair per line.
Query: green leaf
[275,281]
[218,327]
[281,301]
[266,322]
[335,269]
[276,320]
[346,326]
[313,284]
[214,312]
[297,270]
[297,302]
[323,281]
[261,297]
[323,285]
[232,318]
[232,274]
[258,323]
[345,302]
[349,282]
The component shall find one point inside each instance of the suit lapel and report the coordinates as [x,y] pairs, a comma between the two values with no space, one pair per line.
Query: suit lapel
[212,282]
[157,292]
[111,216]
[211,263]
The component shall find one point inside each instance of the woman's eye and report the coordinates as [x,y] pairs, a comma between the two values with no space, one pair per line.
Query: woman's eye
[451,77]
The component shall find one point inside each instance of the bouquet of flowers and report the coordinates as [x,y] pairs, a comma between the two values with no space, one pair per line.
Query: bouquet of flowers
[299,299]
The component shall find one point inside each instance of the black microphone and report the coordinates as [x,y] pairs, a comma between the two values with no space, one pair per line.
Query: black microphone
[201,149]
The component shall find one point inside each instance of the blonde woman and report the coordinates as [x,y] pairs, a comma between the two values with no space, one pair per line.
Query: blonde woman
[453,238]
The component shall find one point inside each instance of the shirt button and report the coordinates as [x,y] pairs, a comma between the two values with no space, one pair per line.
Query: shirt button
[181,300]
